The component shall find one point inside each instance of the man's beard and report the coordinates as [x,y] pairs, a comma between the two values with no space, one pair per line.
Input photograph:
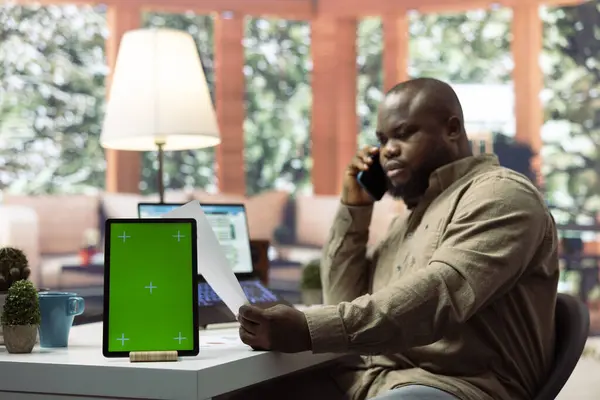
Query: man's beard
[413,189]
[418,183]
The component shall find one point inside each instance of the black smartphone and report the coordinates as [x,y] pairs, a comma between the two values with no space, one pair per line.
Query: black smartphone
[373,180]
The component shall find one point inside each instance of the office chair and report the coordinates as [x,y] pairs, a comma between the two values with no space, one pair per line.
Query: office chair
[572,330]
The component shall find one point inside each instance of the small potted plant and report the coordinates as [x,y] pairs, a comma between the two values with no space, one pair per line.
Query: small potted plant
[21,317]
[14,267]
[312,290]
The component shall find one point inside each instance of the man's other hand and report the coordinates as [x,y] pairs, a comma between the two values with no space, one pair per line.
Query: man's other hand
[279,328]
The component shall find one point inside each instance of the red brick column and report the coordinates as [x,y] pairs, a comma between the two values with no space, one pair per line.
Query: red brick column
[123,168]
[395,49]
[230,88]
[334,123]
[348,122]
[528,78]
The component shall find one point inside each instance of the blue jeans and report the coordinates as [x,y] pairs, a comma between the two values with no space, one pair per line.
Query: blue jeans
[415,392]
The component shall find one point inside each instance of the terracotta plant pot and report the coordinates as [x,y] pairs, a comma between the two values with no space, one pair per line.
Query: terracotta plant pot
[19,339]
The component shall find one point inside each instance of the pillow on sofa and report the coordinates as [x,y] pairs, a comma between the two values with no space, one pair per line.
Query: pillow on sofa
[264,210]
[63,219]
[124,205]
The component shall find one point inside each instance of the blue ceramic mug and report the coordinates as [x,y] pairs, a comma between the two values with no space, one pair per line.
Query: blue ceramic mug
[58,310]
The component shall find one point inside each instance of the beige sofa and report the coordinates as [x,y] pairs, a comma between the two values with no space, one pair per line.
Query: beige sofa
[51,228]
[19,227]
[315,214]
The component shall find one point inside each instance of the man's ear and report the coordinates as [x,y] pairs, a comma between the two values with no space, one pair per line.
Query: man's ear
[454,128]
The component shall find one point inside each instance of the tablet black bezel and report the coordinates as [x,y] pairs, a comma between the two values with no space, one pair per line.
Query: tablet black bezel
[106,301]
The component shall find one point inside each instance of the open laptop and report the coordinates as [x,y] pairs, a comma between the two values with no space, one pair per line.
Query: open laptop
[230,224]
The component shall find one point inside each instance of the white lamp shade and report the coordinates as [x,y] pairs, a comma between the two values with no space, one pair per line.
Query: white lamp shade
[159,95]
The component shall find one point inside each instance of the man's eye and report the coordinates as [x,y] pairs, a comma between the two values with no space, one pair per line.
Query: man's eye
[399,135]
[403,135]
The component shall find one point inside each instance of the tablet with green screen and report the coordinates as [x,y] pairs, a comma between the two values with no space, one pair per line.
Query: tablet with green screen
[150,287]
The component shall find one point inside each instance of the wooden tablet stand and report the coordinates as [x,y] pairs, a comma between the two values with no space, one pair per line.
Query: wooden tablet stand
[153,356]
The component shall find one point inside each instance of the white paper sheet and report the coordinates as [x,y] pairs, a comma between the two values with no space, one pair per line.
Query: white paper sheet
[221,341]
[212,263]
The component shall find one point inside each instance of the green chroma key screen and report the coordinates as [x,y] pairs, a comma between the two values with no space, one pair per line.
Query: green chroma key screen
[150,300]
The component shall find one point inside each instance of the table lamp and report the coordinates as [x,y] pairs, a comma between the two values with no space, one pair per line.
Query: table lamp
[159,98]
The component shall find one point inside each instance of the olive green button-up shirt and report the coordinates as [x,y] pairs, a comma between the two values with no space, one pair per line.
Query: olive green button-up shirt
[459,295]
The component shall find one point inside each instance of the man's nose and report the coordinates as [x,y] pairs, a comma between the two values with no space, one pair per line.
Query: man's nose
[391,149]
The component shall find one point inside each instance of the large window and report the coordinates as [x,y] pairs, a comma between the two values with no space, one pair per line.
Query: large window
[51,98]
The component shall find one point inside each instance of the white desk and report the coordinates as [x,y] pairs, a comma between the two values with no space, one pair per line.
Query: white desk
[82,373]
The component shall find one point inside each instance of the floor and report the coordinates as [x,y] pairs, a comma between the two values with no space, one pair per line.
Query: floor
[584,383]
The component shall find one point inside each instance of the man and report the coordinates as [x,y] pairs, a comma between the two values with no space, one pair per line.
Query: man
[457,302]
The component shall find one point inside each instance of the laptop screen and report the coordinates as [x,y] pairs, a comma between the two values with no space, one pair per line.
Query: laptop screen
[155,210]
[229,223]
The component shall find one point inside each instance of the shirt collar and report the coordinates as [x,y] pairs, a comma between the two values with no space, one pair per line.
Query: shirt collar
[445,176]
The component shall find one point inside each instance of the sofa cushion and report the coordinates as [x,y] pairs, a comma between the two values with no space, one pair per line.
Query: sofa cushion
[124,205]
[218,198]
[19,228]
[63,219]
[315,214]
[264,211]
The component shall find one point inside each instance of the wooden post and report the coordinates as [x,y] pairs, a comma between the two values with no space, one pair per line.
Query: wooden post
[347,90]
[528,78]
[324,110]
[334,123]
[230,89]
[123,168]
[395,49]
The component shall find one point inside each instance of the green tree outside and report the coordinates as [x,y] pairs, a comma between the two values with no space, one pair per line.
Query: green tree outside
[52,94]
[51,98]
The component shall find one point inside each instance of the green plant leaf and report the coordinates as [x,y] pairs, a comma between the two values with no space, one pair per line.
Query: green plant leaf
[22,306]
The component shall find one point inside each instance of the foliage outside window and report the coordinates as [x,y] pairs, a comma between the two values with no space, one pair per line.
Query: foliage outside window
[52,91]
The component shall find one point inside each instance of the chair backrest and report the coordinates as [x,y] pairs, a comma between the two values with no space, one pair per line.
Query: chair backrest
[572,331]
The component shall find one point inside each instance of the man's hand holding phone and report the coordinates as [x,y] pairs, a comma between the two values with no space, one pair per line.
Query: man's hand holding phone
[352,193]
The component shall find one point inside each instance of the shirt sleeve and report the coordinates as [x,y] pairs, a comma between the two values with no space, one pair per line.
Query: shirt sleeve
[496,230]
[345,265]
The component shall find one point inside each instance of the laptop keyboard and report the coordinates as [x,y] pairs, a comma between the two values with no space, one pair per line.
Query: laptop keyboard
[254,290]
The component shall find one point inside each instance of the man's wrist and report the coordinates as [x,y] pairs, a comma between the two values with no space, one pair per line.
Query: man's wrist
[355,218]
[327,333]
